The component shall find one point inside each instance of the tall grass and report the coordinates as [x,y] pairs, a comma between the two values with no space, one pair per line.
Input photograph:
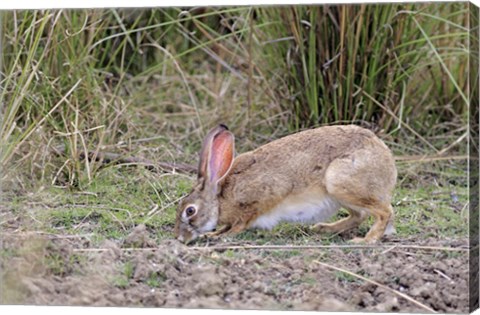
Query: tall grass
[78,81]
[71,77]
[370,62]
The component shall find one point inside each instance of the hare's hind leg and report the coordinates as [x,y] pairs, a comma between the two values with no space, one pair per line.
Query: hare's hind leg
[383,224]
[364,187]
[352,221]
[383,214]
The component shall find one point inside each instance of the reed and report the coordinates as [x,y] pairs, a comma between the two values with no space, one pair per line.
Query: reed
[91,80]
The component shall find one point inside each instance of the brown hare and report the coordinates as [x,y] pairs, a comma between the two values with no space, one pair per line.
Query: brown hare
[304,177]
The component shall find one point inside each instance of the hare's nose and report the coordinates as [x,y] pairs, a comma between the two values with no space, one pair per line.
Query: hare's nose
[181,238]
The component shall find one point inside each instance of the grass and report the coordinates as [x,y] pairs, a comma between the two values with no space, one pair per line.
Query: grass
[344,277]
[112,205]
[336,56]
[131,81]
[155,279]
[120,199]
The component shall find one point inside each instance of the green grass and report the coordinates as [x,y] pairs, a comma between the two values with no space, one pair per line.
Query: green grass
[116,202]
[430,210]
[344,277]
[122,280]
[128,269]
[120,199]
[155,279]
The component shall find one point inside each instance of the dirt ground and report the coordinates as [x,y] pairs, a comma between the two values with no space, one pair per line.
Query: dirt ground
[139,272]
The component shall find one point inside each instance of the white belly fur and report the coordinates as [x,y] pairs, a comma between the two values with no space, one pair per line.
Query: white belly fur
[309,207]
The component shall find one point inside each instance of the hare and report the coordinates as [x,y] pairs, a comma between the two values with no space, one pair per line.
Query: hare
[304,177]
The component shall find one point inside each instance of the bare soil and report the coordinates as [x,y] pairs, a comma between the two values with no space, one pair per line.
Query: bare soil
[66,271]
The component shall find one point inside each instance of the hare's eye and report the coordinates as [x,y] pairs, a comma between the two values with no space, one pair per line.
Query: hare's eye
[190,211]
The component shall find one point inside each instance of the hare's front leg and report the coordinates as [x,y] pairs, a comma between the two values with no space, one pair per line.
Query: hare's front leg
[217,233]
[236,228]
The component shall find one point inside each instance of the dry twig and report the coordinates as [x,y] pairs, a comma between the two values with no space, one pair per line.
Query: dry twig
[296,247]
[400,294]
[108,157]
[429,158]
[291,247]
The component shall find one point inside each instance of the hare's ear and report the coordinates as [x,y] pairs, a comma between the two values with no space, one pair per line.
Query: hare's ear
[207,148]
[221,156]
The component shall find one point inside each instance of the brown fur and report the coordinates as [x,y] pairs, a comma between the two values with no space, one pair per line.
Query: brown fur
[348,163]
